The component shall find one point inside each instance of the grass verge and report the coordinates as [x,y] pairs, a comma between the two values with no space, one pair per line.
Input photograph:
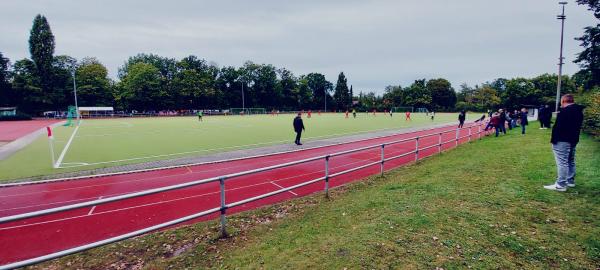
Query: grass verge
[479,206]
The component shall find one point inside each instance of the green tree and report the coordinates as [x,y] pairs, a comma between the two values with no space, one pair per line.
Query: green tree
[288,87]
[589,58]
[62,82]
[230,87]
[443,96]
[519,92]
[41,47]
[417,95]
[195,85]
[6,96]
[141,87]
[304,94]
[393,96]
[26,88]
[167,68]
[320,88]
[93,84]
[341,93]
[545,84]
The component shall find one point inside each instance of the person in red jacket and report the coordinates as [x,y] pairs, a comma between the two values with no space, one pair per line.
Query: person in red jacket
[495,122]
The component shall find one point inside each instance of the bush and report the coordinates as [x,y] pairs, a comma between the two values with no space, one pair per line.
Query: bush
[17,117]
[591,114]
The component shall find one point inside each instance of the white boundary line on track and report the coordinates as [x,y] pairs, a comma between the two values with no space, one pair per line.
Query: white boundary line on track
[446,125]
[64,151]
[180,198]
[279,186]
[93,207]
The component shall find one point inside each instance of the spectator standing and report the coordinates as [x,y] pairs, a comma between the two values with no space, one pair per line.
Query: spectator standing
[502,122]
[565,136]
[523,118]
[461,118]
[298,128]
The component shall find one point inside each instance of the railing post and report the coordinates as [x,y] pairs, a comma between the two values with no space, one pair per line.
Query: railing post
[223,208]
[327,176]
[470,133]
[456,141]
[382,158]
[440,143]
[479,131]
[417,149]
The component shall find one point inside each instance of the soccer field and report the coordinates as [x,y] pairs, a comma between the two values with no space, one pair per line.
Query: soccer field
[110,142]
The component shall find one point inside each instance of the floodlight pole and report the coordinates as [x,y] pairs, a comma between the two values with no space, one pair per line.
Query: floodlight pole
[75,94]
[562,18]
[243,100]
[325,92]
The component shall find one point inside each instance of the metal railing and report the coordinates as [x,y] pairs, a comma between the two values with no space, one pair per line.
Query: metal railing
[223,178]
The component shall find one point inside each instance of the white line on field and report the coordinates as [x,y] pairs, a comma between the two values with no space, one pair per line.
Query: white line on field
[279,186]
[221,148]
[93,207]
[62,155]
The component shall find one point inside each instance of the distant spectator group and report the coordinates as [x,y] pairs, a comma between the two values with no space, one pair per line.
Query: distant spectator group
[502,118]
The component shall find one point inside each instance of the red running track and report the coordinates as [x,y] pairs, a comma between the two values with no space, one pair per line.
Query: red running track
[34,237]
[12,130]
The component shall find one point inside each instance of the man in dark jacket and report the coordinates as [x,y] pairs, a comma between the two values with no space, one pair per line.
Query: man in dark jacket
[461,118]
[502,125]
[298,127]
[565,136]
[547,116]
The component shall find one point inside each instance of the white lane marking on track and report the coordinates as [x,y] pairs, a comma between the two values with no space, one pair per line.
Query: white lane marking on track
[154,178]
[189,169]
[279,186]
[64,151]
[93,207]
[173,200]
[117,194]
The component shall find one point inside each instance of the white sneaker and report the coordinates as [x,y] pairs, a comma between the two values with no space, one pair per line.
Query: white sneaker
[555,187]
[570,184]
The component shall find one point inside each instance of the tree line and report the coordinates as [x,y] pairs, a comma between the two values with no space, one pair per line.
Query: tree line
[152,82]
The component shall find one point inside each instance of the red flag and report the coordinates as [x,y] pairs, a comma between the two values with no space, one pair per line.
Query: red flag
[49,130]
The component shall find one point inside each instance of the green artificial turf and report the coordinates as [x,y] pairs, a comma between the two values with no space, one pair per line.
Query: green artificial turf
[111,142]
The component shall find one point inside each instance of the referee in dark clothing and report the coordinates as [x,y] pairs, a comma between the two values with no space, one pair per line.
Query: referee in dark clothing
[298,127]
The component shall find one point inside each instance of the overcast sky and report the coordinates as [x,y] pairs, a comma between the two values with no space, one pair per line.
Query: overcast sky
[375,43]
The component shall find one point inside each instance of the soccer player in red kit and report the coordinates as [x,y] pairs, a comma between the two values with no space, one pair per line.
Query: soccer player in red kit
[407,116]
[346,113]
[309,113]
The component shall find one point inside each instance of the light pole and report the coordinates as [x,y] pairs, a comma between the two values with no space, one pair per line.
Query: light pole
[75,94]
[562,18]
[325,92]
[243,100]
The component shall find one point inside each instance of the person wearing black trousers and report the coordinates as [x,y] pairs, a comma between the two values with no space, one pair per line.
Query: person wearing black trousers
[461,118]
[501,125]
[298,128]
[523,117]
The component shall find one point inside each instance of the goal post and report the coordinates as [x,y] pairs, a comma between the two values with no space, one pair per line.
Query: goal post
[246,111]
[403,109]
